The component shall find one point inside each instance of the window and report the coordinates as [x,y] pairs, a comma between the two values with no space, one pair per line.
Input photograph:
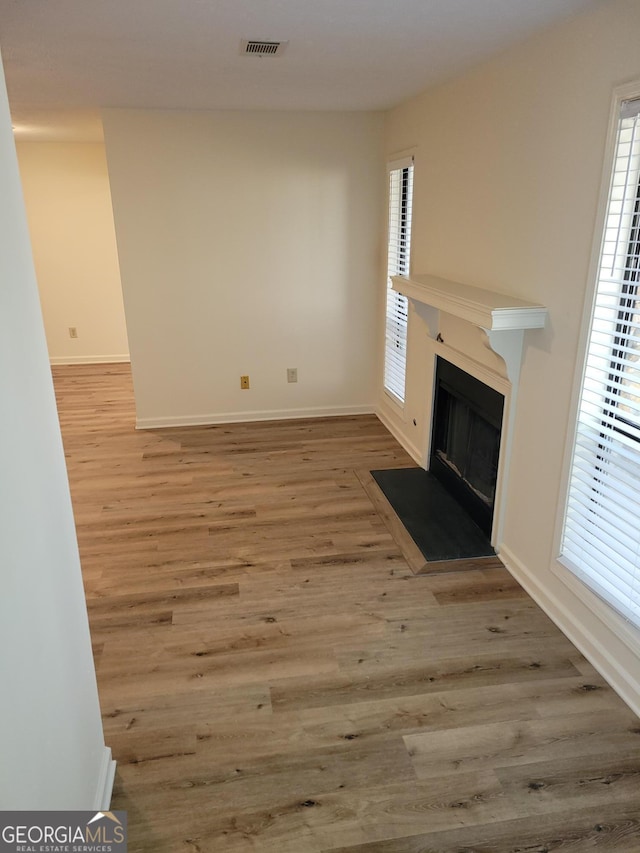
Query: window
[601,536]
[398,254]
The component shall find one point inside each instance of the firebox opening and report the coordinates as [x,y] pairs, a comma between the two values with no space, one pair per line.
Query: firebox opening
[467,423]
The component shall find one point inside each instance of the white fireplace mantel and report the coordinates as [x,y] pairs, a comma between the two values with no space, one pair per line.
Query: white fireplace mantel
[502,318]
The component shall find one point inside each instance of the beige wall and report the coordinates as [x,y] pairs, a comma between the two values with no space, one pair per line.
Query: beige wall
[51,740]
[248,244]
[508,164]
[66,188]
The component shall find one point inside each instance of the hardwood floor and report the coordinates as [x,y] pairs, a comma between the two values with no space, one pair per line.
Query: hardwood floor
[274,677]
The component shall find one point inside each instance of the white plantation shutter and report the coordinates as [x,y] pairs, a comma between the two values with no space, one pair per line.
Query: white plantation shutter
[601,542]
[399,248]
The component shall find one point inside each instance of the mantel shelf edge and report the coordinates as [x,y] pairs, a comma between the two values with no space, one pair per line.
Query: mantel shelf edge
[484,308]
[503,319]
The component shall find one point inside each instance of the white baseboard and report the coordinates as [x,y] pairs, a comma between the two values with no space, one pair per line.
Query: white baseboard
[90,359]
[593,647]
[247,417]
[105,782]
[411,449]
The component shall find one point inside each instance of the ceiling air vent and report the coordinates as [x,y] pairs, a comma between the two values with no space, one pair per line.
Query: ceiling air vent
[259,47]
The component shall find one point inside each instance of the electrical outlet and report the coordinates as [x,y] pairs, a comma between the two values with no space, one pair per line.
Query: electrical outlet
[244,382]
[292,374]
[73,332]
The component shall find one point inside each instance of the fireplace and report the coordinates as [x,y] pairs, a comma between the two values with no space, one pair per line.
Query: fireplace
[503,321]
[465,446]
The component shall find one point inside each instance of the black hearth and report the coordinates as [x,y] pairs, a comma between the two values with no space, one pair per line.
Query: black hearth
[467,423]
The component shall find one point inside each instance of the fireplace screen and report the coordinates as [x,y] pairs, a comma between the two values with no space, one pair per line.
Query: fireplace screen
[466,440]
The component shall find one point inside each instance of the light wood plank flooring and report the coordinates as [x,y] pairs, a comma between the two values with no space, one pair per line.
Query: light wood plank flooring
[274,677]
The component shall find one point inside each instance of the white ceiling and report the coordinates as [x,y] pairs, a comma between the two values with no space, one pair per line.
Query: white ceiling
[65,59]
